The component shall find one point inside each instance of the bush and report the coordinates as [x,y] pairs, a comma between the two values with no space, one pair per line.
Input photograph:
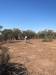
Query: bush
[7,68]
[47,40]
[4,55]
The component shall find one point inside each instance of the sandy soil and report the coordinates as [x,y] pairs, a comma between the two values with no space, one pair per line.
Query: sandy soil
[39,57]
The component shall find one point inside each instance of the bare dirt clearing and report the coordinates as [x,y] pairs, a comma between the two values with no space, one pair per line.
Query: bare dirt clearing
[39,57]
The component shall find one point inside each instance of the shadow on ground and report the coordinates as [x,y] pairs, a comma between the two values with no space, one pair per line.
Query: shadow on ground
[13,69]
[7,68]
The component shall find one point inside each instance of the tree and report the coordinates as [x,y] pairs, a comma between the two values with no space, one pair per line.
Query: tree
[17,33]
[29,33]
[1,27]
[46,35]
[42,34]
[1,34]
[7,34]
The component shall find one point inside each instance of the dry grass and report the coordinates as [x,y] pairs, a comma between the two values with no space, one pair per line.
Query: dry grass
[39,57]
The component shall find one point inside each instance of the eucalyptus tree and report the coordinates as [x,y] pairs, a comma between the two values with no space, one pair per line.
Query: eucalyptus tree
[7,34]
[17,34]
[29,33]
[1,37]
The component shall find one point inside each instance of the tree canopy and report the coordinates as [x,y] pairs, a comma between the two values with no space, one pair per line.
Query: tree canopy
[17,34]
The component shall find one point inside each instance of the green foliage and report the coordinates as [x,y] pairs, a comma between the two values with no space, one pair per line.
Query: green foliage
[47,40]
[7,34]
[46,35]
[29,33]
[17,34]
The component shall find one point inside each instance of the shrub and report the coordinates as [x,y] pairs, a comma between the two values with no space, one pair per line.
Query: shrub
[4,55]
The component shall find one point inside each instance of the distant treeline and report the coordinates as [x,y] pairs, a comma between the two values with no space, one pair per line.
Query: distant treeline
[17,34]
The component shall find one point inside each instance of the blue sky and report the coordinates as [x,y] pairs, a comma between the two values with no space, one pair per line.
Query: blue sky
[28,14]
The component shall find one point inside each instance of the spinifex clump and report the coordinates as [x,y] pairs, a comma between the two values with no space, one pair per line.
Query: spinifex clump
[4,55]
[7,68]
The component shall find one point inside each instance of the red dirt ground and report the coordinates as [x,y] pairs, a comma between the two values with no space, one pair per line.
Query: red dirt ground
[39,57]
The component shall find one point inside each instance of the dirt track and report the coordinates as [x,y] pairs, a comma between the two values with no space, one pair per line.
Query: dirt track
[39,57]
